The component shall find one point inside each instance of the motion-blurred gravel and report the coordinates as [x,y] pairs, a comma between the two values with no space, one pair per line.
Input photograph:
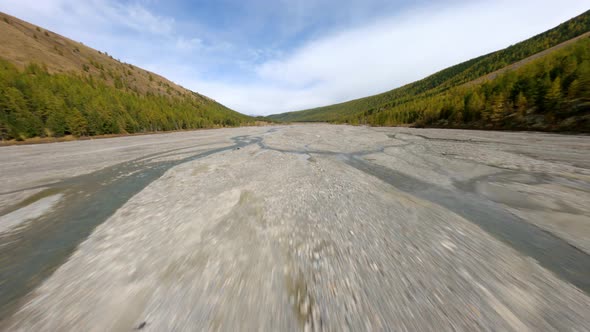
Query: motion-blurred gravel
[319,227]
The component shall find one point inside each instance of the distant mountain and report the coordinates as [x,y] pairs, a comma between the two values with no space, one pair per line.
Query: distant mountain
[542,83]
[53,86]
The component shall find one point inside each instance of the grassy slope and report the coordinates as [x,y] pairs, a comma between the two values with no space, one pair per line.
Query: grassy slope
[448,78]
[550,92]
[22,43]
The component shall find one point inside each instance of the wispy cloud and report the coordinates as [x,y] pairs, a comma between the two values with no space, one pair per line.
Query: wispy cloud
[188,44]
[138,18]
[379,56]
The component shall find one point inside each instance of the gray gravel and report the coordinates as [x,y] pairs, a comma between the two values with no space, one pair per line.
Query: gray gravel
[319,227]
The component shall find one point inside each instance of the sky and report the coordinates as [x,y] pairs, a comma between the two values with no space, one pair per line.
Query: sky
[263,57]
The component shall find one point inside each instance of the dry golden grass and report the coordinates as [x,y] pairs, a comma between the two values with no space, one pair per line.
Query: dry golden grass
[525,61]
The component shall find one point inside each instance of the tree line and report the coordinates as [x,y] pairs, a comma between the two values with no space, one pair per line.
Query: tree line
[446,79]
[548,93]
[36,103]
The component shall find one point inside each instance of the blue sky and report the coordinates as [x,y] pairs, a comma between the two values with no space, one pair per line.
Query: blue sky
[272,56]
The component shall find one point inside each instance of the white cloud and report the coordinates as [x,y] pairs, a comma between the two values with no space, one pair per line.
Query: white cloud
[90,14]
[258,99]
[188,44]
[138,18]
[389,53]
[334,66]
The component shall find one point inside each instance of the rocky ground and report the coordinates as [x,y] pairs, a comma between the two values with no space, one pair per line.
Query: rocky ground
[308,227]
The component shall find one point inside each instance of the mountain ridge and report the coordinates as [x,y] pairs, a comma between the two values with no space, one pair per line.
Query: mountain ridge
[436,84]
[124,93]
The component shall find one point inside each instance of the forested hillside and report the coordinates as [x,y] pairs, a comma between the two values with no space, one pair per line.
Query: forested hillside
[549,93]
[53,86]
[438,99]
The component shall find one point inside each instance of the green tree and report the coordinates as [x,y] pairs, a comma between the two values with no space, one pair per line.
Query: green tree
[574,89]
[76,123]
[56,123]
[474,104]
[521,103]
[553,97]
[498,108]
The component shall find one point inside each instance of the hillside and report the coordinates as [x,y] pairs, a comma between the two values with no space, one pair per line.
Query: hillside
[53,86]
[407,104]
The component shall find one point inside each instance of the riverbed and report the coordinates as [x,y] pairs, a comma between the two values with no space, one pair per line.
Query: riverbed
[314,227]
